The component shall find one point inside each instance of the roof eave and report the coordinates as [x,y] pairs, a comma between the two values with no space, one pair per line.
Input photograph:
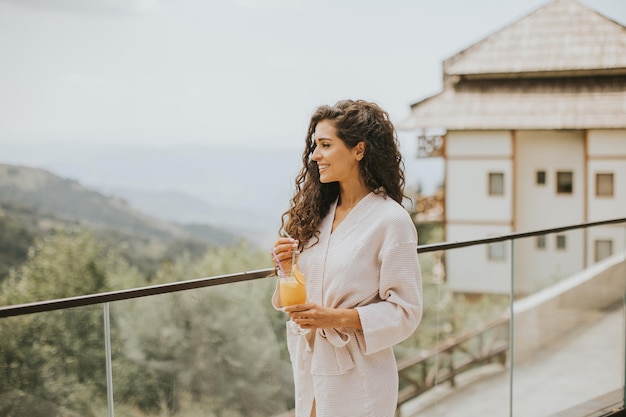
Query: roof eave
[566,73]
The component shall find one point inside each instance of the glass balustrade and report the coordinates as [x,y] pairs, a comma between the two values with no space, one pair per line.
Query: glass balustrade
[569,321]
[207,351]
[53,363]
[463,338]
[220,350]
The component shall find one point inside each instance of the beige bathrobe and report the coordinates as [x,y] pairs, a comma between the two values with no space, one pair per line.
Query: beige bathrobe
[369,263]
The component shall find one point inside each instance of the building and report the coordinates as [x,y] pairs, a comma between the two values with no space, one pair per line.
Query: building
[531,123]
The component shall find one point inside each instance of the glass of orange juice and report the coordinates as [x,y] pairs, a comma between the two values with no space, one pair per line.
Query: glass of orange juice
[292,291]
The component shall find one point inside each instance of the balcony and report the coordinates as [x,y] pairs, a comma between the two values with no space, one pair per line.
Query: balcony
[215,347]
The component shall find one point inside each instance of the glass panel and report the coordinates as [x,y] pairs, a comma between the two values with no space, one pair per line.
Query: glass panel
[53,363]
[456,362]
[568,324]
[222,350]
[217,351]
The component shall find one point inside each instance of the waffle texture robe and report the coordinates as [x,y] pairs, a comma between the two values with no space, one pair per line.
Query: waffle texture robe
[369,263]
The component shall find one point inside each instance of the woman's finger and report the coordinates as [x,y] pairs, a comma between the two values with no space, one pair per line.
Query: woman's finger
[283,241]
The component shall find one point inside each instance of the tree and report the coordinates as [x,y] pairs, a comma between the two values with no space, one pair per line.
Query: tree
[211,350]
[15,239]
[58,356]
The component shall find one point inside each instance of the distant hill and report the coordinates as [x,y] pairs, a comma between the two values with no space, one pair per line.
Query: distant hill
[69,201]
[241,190]
[197,216]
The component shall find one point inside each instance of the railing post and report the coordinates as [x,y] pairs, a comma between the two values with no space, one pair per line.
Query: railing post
[451,368]
[624,317]
[109,367]
[511,328]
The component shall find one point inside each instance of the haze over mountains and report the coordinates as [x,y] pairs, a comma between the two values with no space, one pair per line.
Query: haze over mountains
[240,190]
[48,201]
[244,192]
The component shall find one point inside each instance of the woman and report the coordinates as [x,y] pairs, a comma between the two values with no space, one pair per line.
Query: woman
[356,245]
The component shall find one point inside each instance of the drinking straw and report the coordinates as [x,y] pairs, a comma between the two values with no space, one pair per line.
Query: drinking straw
[293,256]
[278,262]
[293,261]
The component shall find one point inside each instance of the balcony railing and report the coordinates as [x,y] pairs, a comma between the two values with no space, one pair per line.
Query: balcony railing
[545,335]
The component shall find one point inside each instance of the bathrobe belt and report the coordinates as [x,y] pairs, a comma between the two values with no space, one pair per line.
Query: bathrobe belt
[331,355]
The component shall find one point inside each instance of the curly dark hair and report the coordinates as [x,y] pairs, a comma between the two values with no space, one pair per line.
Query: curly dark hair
[382,166]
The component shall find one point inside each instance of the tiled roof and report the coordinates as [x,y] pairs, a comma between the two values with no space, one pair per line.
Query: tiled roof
[561,67]
[563,35]
[553,103]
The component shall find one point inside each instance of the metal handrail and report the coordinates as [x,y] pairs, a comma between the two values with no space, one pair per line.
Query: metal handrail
[91,299]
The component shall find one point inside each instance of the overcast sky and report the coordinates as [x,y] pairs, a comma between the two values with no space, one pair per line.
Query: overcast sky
[225,72]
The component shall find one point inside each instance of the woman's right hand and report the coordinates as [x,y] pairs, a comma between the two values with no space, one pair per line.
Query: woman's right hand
[284,249]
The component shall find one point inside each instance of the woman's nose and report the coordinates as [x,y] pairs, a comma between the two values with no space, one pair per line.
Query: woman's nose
[315,156]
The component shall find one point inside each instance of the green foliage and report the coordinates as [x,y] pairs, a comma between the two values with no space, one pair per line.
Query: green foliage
[215,351]
[431,232]
[44,201]
[58,356]
[66,264]
[15,239]
[212,351]
[216,260]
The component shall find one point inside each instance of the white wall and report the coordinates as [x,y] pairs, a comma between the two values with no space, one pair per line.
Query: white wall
[551,314]
[536,268]
[606,142]
[478,144]
[539,206]
[470,157]
[615,233]
[469,269]
[471,213]
[606,154]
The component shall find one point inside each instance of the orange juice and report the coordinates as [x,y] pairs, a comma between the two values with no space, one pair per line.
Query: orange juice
[291,292]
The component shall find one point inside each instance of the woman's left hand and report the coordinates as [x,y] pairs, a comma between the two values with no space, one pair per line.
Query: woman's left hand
[314,316]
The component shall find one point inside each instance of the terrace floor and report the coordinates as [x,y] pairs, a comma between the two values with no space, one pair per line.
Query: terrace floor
[580,376]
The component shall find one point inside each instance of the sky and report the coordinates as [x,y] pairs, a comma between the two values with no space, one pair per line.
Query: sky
[242,73]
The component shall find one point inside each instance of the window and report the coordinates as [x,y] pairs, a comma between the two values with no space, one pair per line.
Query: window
[603,249]
[540,242]
[604,185]
[564,182]
[496,251]
[561,242]
[540,177]
[496,183]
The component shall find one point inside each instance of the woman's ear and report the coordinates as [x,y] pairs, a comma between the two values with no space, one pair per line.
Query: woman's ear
[360,150]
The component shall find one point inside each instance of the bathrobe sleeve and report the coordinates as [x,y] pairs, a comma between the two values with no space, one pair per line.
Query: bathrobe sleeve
[398,312]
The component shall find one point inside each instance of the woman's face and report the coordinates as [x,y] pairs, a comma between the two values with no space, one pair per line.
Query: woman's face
[335,161]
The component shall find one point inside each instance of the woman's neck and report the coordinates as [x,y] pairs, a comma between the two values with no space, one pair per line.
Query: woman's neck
[350,196]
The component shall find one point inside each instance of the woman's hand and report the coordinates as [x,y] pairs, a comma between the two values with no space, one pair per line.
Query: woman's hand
[313,316]
[284,249]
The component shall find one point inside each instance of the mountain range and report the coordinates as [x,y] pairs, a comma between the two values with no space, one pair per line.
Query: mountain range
[57,201]
[242,191]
